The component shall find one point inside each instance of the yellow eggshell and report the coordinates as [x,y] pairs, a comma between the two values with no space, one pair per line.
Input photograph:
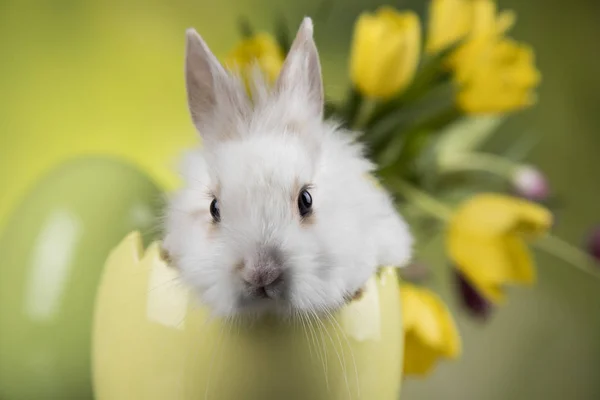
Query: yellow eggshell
[152,341]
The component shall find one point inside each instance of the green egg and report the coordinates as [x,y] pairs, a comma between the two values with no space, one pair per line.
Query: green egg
[52,252]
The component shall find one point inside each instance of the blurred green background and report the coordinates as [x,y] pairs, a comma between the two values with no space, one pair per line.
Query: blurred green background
[106,76]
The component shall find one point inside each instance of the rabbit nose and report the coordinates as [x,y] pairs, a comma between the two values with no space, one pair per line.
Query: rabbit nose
[261,277]
[264,275]
[265,283]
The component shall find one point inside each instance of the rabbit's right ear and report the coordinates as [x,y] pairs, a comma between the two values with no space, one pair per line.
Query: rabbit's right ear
[211,93]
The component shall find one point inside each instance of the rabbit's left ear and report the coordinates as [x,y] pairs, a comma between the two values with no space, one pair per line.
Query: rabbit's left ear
[300,75]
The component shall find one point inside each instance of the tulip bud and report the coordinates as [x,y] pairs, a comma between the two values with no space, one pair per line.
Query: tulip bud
[476,304]
[530,183]
[385,52]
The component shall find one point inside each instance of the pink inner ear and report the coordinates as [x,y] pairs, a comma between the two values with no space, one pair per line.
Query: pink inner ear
[218,102]
[199,77]
[301,72]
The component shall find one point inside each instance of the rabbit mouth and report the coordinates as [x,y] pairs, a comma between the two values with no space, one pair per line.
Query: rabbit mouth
[266,294]
[274,291]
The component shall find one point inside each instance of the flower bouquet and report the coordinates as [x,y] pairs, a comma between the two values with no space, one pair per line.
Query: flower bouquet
[425,107]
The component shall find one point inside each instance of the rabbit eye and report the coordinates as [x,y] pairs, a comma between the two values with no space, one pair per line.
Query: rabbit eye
[304,203]
[214,210]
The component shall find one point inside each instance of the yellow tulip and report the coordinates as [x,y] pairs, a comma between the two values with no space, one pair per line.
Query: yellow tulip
[260,50]
[429,330]
[449,21]
[494,74]
[385,52]
[487,27]
[486,20]
[453,20]
[502,80]
[485,240]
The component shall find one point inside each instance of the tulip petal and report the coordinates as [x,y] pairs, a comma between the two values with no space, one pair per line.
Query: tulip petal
[450,345]
[522,270]
[425,313]
[410,306]
[430,332]
[419,358]
[484,262]
[449,21]
[485,241]
[505,21]
[362,50]
[491,214]
[535,220]
[484,17]
[383,79]
[420,316]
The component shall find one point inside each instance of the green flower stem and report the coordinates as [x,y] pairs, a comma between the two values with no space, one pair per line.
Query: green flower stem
[569,253]
[412,138]
[432,110]
[389,154]
[365,110]
[431,74]
[383,109]
[426,79]
[352,107]
[479,162]
[550,244]
[422,200]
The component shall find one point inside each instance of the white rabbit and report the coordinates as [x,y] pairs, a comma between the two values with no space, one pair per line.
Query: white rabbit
[278,212]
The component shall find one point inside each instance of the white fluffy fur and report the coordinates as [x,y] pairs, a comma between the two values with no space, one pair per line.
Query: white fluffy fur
[256,155]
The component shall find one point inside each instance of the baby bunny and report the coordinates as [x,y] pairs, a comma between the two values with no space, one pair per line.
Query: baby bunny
[278,213]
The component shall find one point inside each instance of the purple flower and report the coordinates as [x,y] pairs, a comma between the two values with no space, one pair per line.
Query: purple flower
[530,183]
[593,245]
[476,304]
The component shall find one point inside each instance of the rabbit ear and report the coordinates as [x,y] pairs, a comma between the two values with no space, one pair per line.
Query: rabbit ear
[211,92]
[301,71]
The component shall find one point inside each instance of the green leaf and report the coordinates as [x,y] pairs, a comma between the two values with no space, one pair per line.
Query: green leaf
[419,113]
[523,146]
[431,74]
[466,135]
[390,154]
[415,140]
